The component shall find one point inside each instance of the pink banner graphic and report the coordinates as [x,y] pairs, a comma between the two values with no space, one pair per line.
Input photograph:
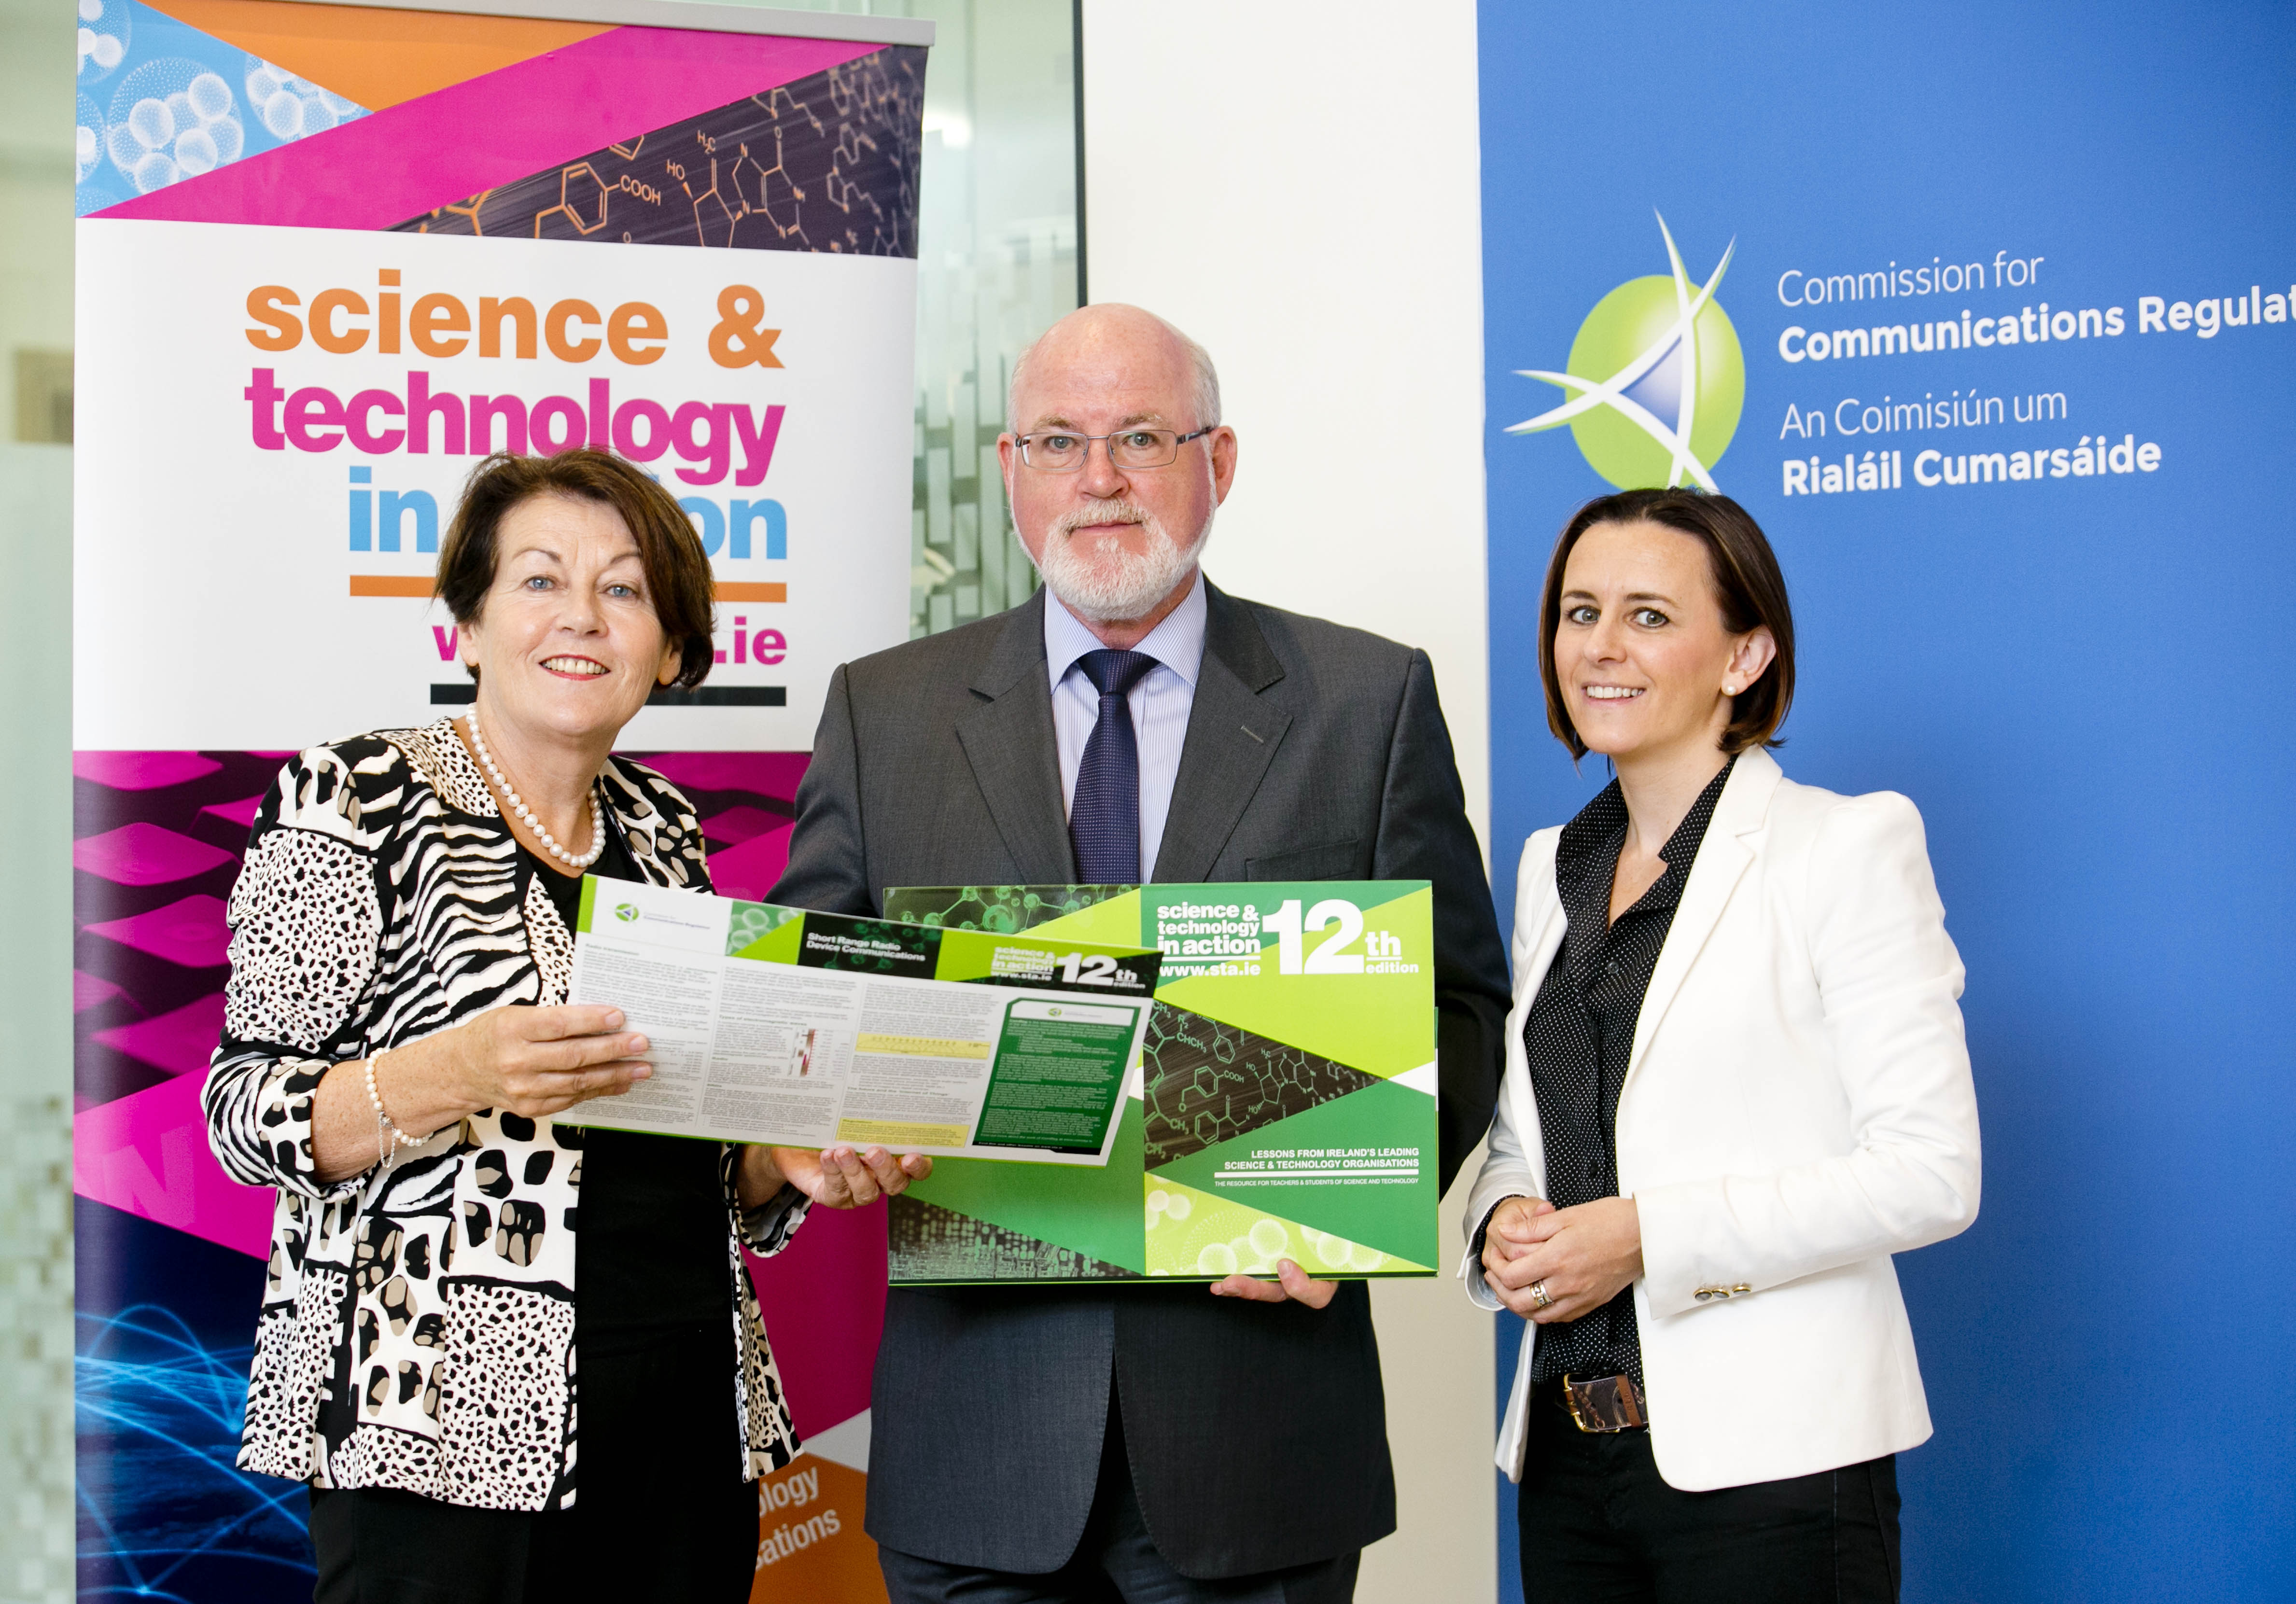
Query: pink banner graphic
[382,169]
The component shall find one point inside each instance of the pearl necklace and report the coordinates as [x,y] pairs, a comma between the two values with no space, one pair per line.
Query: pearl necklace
[524,814]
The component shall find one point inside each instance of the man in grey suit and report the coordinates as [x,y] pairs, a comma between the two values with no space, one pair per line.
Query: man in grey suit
[1141,1442]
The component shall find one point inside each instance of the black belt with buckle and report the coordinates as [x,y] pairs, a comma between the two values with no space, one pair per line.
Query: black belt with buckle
[1605,1403]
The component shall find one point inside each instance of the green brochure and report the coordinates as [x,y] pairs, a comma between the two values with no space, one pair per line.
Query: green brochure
[774,1025]
[1285,1108]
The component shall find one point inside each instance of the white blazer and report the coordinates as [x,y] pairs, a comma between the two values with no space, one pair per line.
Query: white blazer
[1797,1108]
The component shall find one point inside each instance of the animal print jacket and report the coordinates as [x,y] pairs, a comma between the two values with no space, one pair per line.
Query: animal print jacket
[417,1328]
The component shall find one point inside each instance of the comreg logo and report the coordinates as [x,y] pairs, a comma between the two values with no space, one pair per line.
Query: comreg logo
[1655,380]
[625,912]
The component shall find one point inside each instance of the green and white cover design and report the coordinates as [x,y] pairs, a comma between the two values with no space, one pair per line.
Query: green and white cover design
[1285,1108]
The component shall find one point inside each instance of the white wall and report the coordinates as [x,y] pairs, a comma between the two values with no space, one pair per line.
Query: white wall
[35,312]
[1248,176]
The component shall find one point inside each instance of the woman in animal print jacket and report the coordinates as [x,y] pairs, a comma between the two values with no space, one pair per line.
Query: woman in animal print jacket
[402,924]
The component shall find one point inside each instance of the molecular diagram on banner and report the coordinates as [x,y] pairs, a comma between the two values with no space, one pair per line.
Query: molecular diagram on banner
[1207,1081]
[828,163]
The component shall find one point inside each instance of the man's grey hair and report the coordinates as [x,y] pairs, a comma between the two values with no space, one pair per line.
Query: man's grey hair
[1206,396]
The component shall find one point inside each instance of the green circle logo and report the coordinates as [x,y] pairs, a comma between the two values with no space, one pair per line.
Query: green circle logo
[625,912]
[1655,380]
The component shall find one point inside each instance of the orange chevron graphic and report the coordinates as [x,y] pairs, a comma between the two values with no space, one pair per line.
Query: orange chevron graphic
[372,56]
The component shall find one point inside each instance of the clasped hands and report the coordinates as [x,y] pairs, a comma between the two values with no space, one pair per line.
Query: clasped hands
[1582,1256]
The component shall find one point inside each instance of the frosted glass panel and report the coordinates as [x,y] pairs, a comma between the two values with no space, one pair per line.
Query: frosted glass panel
[997,261]
[35,431]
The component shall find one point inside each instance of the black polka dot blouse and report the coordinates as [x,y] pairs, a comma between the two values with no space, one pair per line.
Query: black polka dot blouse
[1580,1035]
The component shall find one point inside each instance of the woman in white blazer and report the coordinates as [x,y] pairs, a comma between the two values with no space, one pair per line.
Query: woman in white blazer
[1736,1084]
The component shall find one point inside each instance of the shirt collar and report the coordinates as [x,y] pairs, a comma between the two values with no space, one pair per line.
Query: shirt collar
[1587,856]
[1178,643]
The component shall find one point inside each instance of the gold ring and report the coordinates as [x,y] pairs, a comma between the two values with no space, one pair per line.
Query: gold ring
[1538,1294]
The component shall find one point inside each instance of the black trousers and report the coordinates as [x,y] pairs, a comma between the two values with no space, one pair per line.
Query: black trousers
[663,1515]
[1599,1526]
[1116,1562]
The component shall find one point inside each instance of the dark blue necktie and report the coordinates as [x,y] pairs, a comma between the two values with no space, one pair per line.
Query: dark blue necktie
[1104,817]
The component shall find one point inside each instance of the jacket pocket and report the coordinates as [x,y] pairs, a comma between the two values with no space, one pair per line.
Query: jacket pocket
[1334,860]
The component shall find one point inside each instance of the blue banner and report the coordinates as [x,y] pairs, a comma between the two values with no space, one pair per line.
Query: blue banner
[1986,317]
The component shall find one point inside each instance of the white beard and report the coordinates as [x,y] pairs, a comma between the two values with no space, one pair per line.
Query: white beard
[1109,584]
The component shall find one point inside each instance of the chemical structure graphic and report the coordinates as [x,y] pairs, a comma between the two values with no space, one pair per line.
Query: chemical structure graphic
[828,163]
[1207,1081]
[581,201]
[467,210]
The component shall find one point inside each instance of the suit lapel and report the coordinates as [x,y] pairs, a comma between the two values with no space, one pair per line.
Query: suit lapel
[1539,956]
[1720,864]
[1008,740]
[1233,735]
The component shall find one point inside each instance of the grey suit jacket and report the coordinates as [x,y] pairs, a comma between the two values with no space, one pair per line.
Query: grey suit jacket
[1256,1434]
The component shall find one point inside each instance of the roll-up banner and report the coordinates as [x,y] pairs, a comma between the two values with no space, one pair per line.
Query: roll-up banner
[329,257]
[1985,315]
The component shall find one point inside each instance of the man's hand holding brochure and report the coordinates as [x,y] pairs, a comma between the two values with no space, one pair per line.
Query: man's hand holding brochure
[771,1024]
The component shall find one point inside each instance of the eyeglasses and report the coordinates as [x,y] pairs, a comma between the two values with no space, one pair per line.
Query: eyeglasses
[1057,451]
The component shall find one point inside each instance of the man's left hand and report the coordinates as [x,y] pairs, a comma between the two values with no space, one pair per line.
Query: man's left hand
[1291,1284]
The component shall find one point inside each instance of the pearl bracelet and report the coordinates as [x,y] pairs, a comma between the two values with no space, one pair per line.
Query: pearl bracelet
[384,1150]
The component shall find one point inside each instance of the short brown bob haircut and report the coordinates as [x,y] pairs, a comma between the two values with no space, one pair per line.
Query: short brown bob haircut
[1747,583]
[677,573]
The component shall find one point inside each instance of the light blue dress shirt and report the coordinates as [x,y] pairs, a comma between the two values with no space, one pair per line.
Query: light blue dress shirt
[1160,705]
